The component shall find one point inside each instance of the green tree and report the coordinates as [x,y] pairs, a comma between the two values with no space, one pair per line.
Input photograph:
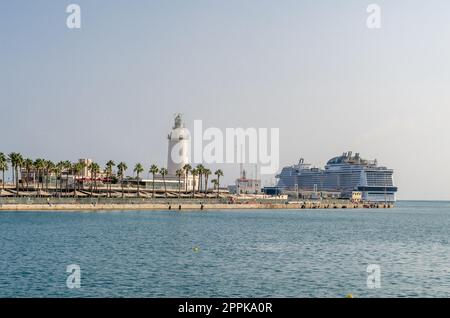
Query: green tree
[49,167]
[163,173]
[179,173]
[38,166]
[95,169]
[200,170]
[194,173]
[16,160]
[138,169]
[68,170]
[218,173]
[215,183]
[187,168]
[109,171]
[28,165]
[19,165]
[206,173]
[3,167]
[12,158]
[122,167]
[59,170]
[154,170]
[77,169]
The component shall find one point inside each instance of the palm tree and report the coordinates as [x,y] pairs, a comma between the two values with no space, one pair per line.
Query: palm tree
[206,173]
[138,169]
[38,166]
[200,170]
[44,174]
[12,159]
[68,169]
[164,172]
[16,161]
[19,164]
[49,167]
[215,183]
[59,170]
[28,165]
[122,167]
[109,166]
[77,169]
[218,173]
[83,165]
[187,168]
[95,168]
[179,173]
[91,184]
[153,170]
[194,173]
[3,167]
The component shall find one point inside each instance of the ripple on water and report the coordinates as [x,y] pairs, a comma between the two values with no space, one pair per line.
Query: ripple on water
[228,254]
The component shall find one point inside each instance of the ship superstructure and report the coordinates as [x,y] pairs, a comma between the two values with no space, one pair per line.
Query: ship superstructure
[346,174]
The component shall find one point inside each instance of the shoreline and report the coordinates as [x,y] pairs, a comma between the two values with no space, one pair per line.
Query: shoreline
[189,206]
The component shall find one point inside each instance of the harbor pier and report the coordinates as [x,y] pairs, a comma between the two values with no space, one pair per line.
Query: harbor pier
[94,204]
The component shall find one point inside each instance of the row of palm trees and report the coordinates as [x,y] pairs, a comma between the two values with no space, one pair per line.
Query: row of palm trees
[197,174]
[43,169]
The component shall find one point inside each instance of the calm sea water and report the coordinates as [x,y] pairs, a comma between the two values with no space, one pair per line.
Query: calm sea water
[228,254]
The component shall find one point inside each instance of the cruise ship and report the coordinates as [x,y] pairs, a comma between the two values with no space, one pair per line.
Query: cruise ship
[345,174]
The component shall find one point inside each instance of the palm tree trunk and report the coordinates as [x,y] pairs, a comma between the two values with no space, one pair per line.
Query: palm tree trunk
[60,184]
[218,185]
[108,185]
[121,184]
[138,186]
[13,176]
[67,183]
[17,180]
[179,186]
[165,189]
[206,186]
[26,181]
[153,194]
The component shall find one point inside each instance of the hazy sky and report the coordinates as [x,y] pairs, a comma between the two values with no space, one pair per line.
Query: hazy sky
[311,68]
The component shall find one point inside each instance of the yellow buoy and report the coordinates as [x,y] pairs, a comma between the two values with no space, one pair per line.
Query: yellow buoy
[195,249]
[349,296]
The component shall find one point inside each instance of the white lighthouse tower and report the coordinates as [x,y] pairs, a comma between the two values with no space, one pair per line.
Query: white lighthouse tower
[179,145]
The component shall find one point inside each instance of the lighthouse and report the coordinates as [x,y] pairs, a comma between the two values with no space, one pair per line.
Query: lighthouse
[179,144]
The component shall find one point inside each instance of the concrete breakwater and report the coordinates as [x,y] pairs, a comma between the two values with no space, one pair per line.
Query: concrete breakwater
[43,204]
